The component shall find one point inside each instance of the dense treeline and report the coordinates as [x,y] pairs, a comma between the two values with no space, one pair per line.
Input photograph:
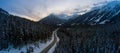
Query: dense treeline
[89,39]
[18,31]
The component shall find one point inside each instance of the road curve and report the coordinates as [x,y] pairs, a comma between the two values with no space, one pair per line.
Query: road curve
[52,43]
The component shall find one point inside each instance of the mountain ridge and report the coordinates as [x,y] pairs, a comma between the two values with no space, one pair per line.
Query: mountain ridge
[100,15]
[52,20]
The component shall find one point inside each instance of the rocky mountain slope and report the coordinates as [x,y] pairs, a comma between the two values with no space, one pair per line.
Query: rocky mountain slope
[98,15]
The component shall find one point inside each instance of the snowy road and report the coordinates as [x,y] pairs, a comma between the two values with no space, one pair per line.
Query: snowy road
[52,45]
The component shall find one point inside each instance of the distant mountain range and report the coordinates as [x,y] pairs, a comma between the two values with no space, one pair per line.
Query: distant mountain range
[74,12]
[103,13]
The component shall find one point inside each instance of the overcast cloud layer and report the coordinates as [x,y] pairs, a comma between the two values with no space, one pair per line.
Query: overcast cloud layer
[37,9]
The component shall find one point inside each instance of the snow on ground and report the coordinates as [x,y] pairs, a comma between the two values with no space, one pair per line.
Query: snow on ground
[53,48]
[24,48]
[37,48]
[103,22]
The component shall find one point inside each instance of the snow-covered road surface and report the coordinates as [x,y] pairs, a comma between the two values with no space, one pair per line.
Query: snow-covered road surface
[50,48]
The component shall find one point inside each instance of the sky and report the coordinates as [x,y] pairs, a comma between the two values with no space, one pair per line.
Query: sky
[38,9]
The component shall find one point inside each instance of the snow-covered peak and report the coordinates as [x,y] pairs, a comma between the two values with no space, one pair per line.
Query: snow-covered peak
[113,3]
[107,5]
[100,14]
[110,9]
[106,11]
[73,13]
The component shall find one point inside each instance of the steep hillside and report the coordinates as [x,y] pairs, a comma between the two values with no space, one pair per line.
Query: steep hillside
[18,31]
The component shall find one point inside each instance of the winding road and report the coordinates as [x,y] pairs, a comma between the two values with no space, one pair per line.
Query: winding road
[55,40]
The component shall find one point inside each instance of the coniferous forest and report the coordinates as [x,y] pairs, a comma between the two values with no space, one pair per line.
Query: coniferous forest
[18,31]
[60,27]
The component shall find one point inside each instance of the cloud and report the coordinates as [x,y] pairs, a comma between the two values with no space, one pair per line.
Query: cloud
[38,9]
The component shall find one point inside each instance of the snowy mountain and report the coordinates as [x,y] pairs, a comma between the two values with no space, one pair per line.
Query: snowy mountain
[72,13]
[52,20]
[99,15]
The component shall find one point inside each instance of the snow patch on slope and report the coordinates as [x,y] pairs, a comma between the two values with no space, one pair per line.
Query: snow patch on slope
[103,22]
